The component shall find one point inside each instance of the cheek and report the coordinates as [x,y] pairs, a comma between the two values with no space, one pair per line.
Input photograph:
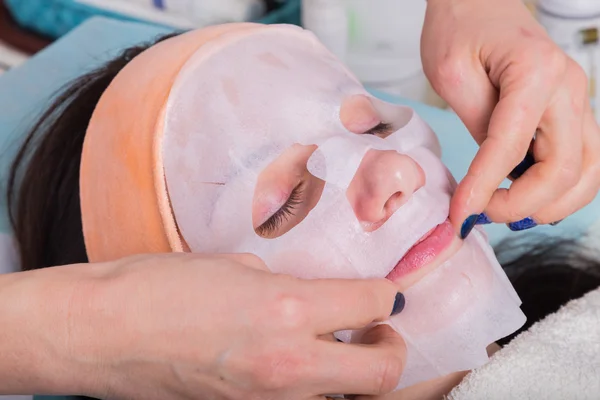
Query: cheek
[447,296]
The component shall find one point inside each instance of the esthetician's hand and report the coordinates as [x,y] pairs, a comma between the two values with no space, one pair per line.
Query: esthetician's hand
[223,327]
[505,78]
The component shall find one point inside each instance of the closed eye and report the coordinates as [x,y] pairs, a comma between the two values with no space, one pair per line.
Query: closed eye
[286,211]
[382,129]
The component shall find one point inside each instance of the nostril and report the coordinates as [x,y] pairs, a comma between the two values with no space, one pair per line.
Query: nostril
[395,201]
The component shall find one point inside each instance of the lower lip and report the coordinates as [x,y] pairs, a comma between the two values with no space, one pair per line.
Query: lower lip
[425,251]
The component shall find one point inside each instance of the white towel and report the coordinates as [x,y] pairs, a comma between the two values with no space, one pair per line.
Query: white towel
[557,358]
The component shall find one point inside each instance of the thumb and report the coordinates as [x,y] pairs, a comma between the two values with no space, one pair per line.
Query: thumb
[383,334]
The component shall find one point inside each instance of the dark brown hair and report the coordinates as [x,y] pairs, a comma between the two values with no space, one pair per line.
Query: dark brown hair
[43,185]
[43,198]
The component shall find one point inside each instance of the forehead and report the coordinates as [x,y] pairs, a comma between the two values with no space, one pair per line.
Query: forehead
[254,95]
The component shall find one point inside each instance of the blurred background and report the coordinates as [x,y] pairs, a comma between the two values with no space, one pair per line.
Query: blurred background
[377,39]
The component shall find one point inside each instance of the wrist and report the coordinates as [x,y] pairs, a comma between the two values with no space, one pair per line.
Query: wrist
[40,352]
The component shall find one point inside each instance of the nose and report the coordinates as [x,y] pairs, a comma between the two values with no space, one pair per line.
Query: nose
[384,181]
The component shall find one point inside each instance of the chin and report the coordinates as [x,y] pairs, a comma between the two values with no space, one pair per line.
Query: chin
[459,276]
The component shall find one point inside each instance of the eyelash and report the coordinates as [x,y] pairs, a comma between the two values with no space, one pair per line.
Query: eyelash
[282,215]
[381,129]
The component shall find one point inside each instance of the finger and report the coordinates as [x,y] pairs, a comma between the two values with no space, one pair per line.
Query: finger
[587,188]
[523,99]
[372,368]
[247,259]
[464,84]
[558,153]
[339,304]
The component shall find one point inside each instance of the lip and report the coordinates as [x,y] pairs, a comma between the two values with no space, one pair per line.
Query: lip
[424,251]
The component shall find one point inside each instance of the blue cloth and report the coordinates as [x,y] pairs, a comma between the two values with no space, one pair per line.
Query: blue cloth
[24,93]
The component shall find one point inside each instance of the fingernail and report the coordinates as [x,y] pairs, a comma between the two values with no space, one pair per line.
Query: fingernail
[483,219]
[520,169]
[468,225]
[399,303]
[556,223]
[525,223]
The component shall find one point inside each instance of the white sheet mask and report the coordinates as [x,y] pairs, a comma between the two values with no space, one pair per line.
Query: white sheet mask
[237,104]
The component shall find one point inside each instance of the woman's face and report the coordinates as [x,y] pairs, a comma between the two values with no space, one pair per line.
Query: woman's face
[271,146]
[286,191]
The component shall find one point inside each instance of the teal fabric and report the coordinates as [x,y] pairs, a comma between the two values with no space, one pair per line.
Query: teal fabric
[55,18]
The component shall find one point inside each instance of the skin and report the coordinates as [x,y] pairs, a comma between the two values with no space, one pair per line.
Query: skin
[384,182]
[505,78]
[52,320]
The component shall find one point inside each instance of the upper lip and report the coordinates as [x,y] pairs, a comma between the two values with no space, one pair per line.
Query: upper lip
[421,239]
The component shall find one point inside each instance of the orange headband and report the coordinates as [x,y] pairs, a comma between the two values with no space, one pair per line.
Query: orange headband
[125,207]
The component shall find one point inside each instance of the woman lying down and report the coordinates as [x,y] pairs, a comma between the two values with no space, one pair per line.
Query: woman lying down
[251,138]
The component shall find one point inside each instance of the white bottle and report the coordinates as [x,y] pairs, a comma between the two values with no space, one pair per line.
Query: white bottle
[328,20]
[575,26]
[379,40]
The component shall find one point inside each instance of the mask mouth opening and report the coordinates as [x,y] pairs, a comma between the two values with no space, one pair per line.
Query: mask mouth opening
[424,251]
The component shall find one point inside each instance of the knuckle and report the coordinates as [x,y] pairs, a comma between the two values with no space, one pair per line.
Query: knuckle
[515,151]
[552,59]
[448,73]
[289,312]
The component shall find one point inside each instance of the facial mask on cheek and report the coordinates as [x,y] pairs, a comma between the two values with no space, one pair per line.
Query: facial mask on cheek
[237,104]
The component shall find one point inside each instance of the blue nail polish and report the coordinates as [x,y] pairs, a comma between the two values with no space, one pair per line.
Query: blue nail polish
[520,169]
[468,225]
[483,219]
[525,223]
[399,303]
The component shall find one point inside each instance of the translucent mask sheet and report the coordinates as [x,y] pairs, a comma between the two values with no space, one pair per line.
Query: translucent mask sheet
[242,100]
